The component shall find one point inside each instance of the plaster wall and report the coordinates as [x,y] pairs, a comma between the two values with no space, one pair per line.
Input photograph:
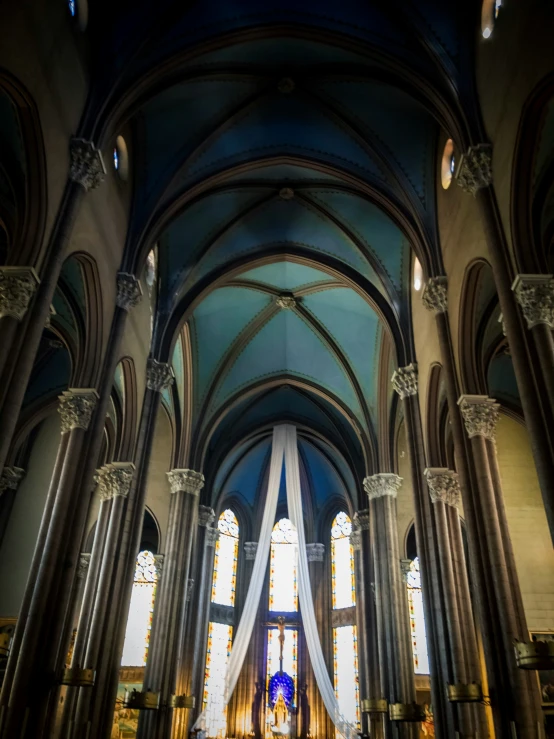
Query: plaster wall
[527,523]
[158,494]
[19,541]
[404,502]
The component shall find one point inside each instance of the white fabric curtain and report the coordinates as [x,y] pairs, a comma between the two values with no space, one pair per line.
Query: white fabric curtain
[294,503]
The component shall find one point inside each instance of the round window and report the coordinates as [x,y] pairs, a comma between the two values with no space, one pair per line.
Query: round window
[121,158]
[448,164]
[489,14]
[418,274]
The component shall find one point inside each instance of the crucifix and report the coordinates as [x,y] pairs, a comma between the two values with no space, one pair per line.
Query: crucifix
[281,627]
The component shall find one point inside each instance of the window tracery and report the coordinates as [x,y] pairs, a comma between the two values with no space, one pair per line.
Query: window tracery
[225,564]
[342,562]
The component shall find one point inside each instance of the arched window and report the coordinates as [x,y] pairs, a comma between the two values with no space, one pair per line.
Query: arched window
[220,635]
[417,620]
[345,642]
[342,563]
[139,623]
[283,585]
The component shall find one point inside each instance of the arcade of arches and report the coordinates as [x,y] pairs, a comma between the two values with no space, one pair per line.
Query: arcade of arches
[220,217]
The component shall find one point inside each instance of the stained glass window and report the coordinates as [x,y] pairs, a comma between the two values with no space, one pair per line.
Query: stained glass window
[347,690]
[115,158]
[139,623]
[417,620]
[283,585]
[225,564]
[290,655]
[72,7]
[342,563]
[219,648]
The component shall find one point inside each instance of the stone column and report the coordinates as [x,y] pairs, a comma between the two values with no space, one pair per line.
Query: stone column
[28,681]
[474,175]
[159,376]
[85,173]
[9,483]
[394,639]
[520,704]
[160,674]
[404,381]
[320,723]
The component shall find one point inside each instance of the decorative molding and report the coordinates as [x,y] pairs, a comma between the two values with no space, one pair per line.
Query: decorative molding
[356,540]
[480,414]
[222,614]
[535,294]
[343,616]
[315,552]
[76,408]
[83,565]
[17,287]
[361,520]
[10,478]
[114,479]
[404,380]
[206,515]
[435,294]
[185,481]
[212,535]
[250,549]
[159,564]
[286,193]
[129,291]
[384,483]
[159,375]
[286,302]
[444,485]
[475,170]
[405,568]
[86,164]
[190,587]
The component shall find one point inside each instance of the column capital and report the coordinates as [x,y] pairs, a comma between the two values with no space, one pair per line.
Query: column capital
[114,479]
[186,481]
[405,568]
[250,549]
[212,535]
[384,483]
[86,166]
[444,485]
[435,294]
[129,291]
[83,565]
[475,170]
[206,515]
[10,478]
[356,540]
[159,375]
[17,287]
[76,408]
[404,380]
[159,564]
[361,520]
[480,414]
[535,294]
[315,552]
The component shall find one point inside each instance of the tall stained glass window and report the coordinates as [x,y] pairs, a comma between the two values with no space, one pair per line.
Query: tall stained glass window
[219,648]
[417,620]
[290,655]
[342,563]
[345,649]
[225,564]
[283,585]
[139,623]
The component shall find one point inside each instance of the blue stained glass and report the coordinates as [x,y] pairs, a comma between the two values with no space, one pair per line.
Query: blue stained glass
[115,158]
[281,684]
[72,5]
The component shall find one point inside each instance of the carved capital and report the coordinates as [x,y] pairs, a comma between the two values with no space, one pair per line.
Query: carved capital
[444,486]
[384,483]
[10,478]
[475,170]
[159,375]
[435,295]
[186,481]
[129,291]
[361,520]
[315,552]
[356,540]
[405,568]
[76,408]
[114,479]
[480,415]
[212,535]
[250,549]
[83,565]
[286,302]
[535,294]
[404,380]
[159,564]
[86,164]
[17,287]
[206,515]
[190,587]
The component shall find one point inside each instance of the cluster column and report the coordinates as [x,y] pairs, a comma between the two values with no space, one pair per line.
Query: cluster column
[390,594]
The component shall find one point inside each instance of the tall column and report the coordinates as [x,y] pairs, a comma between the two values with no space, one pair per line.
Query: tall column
[26,683]
[444,490]
[169,611]
[520,704]
[9,483]
[394,640]
[320,723]
[86,172]
[404,381]
[474,175]
[159,376]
